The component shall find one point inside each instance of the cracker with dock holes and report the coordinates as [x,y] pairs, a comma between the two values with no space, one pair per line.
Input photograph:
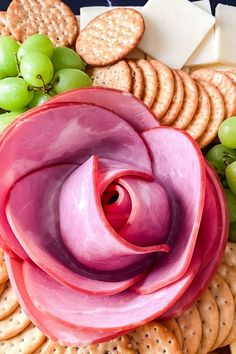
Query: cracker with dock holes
[173,327]
[229,257]
[8,301]
[119,345]
[4,28]
[3,268]
[13,324]
[150,81]
[137,79]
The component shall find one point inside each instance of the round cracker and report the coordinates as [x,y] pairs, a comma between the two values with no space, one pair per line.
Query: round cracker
[229,276]
[217,114]
[154,338]
[224,84]
[48,347]
[3,268]
[8,301]
[191,328]
[150,81]
[117,76]
[119,345]
[225,302]
[201,118]
[210,318]
[165,91]
[110,37]
[231,75]
[13,324]
[4,28]
[190,101]
[26,342]
[177,101]
[137,79]
[173,327]
[229,257]
[51,17]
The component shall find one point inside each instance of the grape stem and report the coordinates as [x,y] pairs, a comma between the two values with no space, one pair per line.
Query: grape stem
[41,78]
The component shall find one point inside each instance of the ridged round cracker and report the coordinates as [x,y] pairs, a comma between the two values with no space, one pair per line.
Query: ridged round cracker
[173,327]
[229,257]
[119,345]
[201,118]
[224,84]
[191,328]
[225,302]
[190,101]
[229,276]
[117,76]
[51,17]
[3,268]
[26,342]
[231,75]
[150,81]
[4,28]
[8,301]
[110,37]
[177,101]
[217,114]
[13,324]
[137,79]
[65,350]
[210,318]
[165,90]
[154,338]
[48,347]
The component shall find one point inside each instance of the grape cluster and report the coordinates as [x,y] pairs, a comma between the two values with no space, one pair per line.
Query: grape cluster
[223,158]
[33,72]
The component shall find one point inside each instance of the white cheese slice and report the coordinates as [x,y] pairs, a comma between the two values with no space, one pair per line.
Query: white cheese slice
[174,29]
[226,33]
[89,13]
[206,51]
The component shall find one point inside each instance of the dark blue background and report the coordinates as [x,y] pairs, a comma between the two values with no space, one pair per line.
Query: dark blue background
[75,4]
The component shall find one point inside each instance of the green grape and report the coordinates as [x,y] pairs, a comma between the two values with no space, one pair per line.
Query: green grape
[8,51]
[38,99]
[66,58]
[227,133]
[37,43]
[231,176]
[69,79]
[220,157]
[231,199]
[36,69]
[15,93]
[8,117]
[232,232]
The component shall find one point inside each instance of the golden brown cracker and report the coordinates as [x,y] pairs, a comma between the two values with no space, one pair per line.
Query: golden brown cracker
[225,302]
[110,37]
[165,90]
[4,28]
[117,76]
[201,118]
[191,328]
[190,101]
[3,268]
[177,101]
[210,318]
[137,79]
[224,84]
[229,257]
[47,347]
[119,345]
[150,81]
[231,75]
[8,301]
[154,338]
[13,324]
[173,327]
[217,114]
[50,17]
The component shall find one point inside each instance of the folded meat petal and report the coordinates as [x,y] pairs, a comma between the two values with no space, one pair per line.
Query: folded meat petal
[125,105]
[179,167]
[33,214]
[119,312]
[49,326]
[85,230]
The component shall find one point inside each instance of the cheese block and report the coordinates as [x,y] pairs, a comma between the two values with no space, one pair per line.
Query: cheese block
[174,29]
[226,33]
[89,13]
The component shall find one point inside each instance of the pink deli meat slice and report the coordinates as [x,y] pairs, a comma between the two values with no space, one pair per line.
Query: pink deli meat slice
[214,235]
[49,326]
[180,168]
[119,312]
[35,199]
[127,106]
[70,134]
